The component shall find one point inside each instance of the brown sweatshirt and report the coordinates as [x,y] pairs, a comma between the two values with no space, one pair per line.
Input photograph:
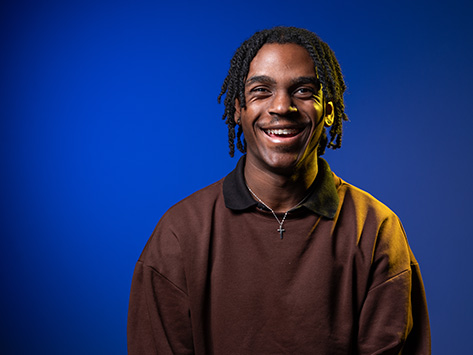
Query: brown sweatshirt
[216,278]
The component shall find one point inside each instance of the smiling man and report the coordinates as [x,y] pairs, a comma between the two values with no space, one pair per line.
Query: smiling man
[281,256]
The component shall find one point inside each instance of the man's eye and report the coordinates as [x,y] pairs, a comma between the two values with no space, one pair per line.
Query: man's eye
[306,92]
[259,90]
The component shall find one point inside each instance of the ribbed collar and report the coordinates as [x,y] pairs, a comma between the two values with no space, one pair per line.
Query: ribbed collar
[323,199]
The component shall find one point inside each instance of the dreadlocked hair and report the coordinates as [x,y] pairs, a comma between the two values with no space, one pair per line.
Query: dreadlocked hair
[327,69]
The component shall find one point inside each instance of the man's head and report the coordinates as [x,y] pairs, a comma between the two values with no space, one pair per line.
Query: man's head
[326,68]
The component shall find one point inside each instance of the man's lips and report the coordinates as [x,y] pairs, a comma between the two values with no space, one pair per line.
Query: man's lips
[282,132]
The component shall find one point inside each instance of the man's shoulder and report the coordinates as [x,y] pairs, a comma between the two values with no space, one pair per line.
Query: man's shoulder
[181,223]
[374,223]
[352,196]
[199,201]
[202,196]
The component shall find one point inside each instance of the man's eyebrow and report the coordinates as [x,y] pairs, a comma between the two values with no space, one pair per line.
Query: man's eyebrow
[260,79]
[297,81]
[306,80]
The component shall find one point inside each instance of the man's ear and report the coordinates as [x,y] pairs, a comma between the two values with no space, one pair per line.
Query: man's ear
[329,114]
[237,111]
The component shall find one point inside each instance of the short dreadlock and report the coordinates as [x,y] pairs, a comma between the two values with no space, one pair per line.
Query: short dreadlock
[327,68]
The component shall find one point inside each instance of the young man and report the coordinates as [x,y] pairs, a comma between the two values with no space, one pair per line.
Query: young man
[281,256]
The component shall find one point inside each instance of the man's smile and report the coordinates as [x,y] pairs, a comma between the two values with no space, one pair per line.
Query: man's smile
[282,132]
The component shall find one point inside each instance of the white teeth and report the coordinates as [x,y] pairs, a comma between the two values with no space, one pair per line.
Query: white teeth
[281,132]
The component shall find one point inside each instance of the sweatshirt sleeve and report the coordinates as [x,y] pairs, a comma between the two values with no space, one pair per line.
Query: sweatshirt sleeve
[394,317]
[158,314]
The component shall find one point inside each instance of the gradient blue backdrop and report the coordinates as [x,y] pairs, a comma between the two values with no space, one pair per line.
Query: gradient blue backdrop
[109,116]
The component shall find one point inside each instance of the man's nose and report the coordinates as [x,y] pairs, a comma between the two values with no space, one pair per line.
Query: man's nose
[282,104]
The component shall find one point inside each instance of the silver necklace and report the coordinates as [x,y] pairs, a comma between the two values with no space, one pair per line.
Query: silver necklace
[281,230]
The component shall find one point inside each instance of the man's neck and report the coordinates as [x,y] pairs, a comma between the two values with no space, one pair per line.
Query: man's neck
[280,192]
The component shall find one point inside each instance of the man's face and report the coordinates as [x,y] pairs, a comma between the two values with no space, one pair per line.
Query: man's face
[283,119]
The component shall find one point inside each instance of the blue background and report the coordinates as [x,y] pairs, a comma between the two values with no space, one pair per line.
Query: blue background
[109,116]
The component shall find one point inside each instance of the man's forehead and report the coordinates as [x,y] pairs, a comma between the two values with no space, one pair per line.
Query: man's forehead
[274,59]
[286,48]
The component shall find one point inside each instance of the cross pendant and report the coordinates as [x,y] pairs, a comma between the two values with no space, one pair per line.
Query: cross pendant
[281,230]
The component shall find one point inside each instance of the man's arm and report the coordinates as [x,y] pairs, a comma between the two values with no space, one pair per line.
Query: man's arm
[394,317]
[158,315]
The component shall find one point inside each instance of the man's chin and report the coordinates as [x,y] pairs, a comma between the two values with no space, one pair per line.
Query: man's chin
[284,163]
